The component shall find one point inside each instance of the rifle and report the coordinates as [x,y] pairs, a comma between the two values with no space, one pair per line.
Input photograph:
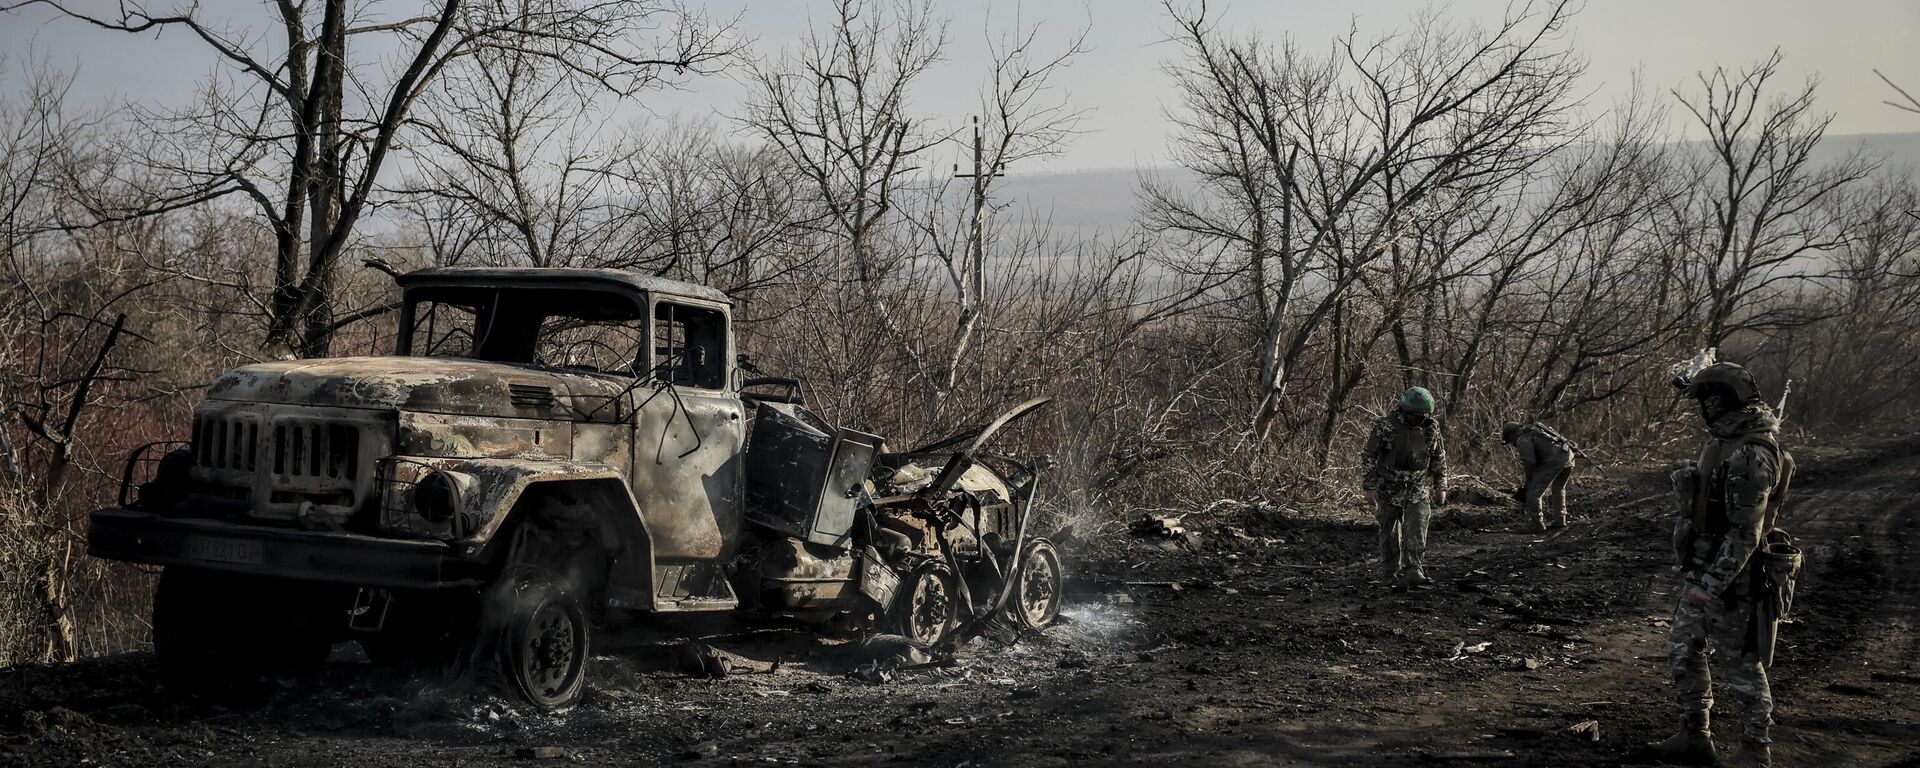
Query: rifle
[1571,446]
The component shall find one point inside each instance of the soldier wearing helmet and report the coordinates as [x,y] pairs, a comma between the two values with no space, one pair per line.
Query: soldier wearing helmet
[1546,461]
[1403,467]
[1728,502]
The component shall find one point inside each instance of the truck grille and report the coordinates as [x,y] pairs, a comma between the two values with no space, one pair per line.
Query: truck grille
[285,463]
[314,449]
[226,443]
[301,448]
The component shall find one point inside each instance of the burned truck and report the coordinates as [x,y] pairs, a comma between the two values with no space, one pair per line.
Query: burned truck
[548,451]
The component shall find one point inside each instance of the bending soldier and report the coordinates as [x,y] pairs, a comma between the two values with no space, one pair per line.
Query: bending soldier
[1728,503]
[1547,459]
[1404,465]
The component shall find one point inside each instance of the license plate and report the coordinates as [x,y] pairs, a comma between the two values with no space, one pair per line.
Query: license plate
[224,550]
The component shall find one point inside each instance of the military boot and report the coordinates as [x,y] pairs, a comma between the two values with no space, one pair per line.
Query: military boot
[1692,745]
[1417,579]
[1751,754]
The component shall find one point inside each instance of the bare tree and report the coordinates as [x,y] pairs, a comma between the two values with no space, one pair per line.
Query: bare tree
[1327,163]
[1758,203]
[1907,102]
[310,128]
[838,110]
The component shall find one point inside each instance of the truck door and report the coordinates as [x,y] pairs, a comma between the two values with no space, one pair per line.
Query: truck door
[689,433]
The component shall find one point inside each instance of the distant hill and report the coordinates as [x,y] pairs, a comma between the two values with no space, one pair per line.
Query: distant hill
[1104,200]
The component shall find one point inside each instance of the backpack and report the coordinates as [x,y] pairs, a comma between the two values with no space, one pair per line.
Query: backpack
[1566,446]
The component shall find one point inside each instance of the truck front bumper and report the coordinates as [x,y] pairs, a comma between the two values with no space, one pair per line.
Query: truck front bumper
[322,556]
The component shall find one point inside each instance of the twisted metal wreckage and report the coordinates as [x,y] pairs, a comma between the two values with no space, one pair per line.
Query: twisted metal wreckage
[546,450]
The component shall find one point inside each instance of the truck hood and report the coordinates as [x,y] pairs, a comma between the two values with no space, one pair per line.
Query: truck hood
[433,385]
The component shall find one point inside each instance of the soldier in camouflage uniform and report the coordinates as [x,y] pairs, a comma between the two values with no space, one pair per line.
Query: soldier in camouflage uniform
[1724,514]
[1547,459]
[1403,466]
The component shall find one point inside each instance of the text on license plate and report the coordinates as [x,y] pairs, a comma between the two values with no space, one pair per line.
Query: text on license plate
[223,550]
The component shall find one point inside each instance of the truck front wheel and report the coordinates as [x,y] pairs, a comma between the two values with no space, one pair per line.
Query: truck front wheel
[541,638]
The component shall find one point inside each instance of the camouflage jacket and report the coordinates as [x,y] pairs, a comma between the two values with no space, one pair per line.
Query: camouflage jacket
[1538,449]
[1377,460]
[1738,466]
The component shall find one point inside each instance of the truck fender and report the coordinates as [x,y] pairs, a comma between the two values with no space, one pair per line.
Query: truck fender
[506,490]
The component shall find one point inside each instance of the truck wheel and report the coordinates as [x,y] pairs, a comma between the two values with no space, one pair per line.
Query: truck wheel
[927,605]
[1041,586]
[541,637]
[211,630]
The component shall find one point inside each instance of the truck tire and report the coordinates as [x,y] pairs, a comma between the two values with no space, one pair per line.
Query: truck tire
[927,605]
[1040,586]
[540,638]
[214,630]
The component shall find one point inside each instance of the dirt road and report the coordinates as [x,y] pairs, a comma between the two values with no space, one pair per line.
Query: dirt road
[1273,649]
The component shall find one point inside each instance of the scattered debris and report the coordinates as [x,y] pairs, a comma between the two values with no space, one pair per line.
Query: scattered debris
[1469,757]
[1849,689]
[56,720]
[1462,650]
[703,660]
[1168,529]
[540,753]
[1473,493]
[700,751]
[1588,730]
[893,651]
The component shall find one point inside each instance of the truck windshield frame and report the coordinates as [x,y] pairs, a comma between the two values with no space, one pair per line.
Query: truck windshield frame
[573,328]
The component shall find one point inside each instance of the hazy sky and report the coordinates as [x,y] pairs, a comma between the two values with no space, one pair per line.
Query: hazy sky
[1119,80]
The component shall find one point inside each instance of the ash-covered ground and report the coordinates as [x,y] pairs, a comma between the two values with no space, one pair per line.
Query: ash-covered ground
[1267,644]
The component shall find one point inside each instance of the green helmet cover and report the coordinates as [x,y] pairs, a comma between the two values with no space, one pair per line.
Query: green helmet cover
[1417,400]
[1733,377]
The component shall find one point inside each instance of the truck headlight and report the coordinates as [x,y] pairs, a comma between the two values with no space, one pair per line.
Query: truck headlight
[441,495]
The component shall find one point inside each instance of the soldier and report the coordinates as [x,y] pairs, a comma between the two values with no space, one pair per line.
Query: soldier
[1547,459]
[1728,502]
[1404,453]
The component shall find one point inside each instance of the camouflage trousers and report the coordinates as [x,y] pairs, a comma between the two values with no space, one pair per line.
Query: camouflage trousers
[1718,631]
[1403,514]
[1545,496]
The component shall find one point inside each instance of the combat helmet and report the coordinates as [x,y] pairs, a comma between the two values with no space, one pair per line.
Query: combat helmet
[1510,430]
[1417,400]
[1729,378]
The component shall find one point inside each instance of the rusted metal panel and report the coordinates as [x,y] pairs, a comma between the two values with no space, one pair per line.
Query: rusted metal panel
[434,434]
[803,479]
[687,470]
[422,385]
[560,277]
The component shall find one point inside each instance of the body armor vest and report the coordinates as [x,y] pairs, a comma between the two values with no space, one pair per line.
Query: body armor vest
[1710,494]
[1412,450]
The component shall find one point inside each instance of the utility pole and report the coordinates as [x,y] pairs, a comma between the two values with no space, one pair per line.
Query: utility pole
[977,266]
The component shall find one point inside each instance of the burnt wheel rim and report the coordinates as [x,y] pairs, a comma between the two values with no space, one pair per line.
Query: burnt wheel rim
[1039,594]
[932,607]
[551,653]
